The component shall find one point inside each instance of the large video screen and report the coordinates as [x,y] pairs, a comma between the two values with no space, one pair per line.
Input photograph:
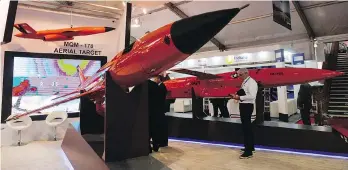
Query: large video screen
[36,81]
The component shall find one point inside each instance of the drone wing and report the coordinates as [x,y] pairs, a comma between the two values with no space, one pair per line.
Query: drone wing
[54,104]
[200,75]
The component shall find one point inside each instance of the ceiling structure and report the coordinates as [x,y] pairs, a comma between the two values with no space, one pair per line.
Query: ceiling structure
[253,26]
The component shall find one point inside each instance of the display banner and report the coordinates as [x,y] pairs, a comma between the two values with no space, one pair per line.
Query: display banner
[279,55]
[281,13]
[298,59]
[202,62]
[238,59]
[76,48]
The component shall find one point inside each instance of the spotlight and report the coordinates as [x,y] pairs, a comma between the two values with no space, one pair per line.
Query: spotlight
[144,11]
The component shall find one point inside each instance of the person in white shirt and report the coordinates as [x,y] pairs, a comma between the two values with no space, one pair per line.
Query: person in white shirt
[246,97]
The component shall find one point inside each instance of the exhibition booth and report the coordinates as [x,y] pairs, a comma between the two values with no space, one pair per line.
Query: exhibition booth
[231,62]
[90,99]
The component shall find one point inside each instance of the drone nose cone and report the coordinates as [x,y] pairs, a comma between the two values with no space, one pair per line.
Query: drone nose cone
[107,29]
[331,74]
[191,33]
[337,73]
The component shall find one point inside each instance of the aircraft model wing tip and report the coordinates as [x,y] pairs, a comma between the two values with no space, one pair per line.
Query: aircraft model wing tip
[198,74]
[244,6]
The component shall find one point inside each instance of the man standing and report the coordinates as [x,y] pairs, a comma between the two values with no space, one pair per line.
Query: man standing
[162,105]
[220,103]
[154,130]
[246,96]
[304,103]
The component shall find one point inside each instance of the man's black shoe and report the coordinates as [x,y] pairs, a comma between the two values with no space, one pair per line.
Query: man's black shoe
[243,150]
[163,145]
[246,155]
[155,148]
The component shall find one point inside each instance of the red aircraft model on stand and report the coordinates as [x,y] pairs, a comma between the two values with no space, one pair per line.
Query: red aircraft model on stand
[154,53]
[58,34]
[221,85]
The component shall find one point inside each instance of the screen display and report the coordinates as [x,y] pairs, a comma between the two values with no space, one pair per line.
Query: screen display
[36,81]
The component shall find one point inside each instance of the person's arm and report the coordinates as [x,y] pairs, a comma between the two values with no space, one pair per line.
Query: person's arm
[251,93]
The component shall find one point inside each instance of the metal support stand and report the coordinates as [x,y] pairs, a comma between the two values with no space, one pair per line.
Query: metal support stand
[20,137]
[55,133]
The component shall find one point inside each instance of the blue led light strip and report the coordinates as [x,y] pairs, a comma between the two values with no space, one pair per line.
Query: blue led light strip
[264,148]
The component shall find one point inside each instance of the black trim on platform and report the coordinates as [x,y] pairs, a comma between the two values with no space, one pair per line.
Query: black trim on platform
[283,117]
[6,108]
[267,116]
[128,24]
[197,105]
[271,134]
[11,16]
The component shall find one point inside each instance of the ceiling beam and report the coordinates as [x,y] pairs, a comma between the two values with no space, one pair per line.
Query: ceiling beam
[41,8]
[304,20]
[260,43]
[72,6]
[181,14]
[97,5]
[176,3]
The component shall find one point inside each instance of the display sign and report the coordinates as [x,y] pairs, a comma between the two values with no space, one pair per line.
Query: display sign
[298,59]
[281,13]
[279,55]
[38,80]
[239,58]
[202,62]
[77,49]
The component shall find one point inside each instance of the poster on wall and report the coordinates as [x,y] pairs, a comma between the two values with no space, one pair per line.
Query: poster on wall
[298,59]
[236,59]
[281,13]
[279,55]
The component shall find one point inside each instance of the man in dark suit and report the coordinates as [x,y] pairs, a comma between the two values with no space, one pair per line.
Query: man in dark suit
[154,131]
[304,103]
[162,102]
[220,103]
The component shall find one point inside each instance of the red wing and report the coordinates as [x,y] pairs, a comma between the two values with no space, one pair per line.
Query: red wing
[76,91]
[54,104]
[97,75]
[200,75]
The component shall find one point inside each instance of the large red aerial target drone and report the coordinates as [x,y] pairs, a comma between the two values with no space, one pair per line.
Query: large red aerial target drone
[154,53]
[221,85]
[169,45]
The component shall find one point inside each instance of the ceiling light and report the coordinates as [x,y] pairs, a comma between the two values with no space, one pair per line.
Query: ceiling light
[135,22]
[144,11]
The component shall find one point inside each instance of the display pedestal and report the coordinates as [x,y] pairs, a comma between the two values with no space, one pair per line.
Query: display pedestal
[197,106]
[90,121]
[79,152]
[126,122]
[282,99]
[260,106]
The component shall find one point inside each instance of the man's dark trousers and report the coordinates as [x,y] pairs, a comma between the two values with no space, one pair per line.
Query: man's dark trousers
[246,110]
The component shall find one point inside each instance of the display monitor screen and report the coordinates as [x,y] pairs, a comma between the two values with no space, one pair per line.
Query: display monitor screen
[36,81]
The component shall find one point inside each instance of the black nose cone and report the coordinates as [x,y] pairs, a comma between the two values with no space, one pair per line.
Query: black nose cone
[107,29]
[191,33]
